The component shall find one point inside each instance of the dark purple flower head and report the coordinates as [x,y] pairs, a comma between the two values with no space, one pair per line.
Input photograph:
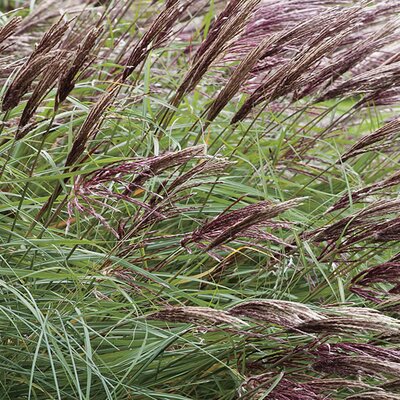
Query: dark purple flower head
[95,192]
[242,223]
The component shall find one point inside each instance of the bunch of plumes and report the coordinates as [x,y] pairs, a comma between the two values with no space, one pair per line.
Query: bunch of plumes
[296,317]
[30,28]
[337,359]
[61,58]
[357,359]
[373,224]
[334,353]
[155,35]
[291,386]
[288,55]
[247,222]
[339,362]
[7,37]
[288,389]
[46,66]
[8,30]
[46,82]
[282,313]
[360,194]
[368,283]
[383,139]
[287,78]
[349,320]
[45,52]
[177,20]
[226,27]
[275,16]
[357,54]
[95,191]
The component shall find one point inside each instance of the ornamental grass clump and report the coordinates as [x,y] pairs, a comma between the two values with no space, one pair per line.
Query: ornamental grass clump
[199,199]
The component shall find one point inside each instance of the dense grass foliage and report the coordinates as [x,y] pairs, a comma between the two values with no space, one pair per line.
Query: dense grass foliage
[199,199]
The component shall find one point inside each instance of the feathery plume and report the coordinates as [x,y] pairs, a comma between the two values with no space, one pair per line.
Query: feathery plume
[24,79]
[378,140]
[91,125]
[350,320]
[50,39]
[155,165]
[119,182]
[48,81]
[347,359]
[196,315]
[35,65]
[237,78]
[371,82]
[9,28]
[67,80]
[233,7]
[284,79]
[346,60]
[155,35]
[364,221]
[283,313]
[230,23]
[360,194]
[244,222]
[389,273]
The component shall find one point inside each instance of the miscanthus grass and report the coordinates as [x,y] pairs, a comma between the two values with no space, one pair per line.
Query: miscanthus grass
[199,199]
